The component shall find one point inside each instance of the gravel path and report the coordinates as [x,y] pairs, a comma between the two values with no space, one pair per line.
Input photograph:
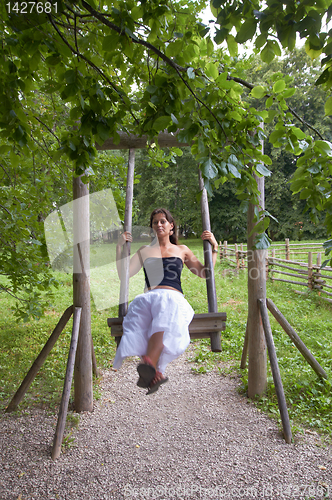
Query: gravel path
[196,438]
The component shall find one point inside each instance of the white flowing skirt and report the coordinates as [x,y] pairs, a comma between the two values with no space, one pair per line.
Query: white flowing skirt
[159,310]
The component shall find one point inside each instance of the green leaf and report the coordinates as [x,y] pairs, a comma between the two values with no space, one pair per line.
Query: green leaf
[262,241]
[234,115]
[298,133]
[276,135]
[35,242]
[279,86]
[174,119]
[328,106]
[325,146]
[173,49]
[269,101]
[327,245]
[162,122]
[289,93]
[72,145]
[233,170]
[14,159]
[221,35]
[324,77]
[305,193]
[103,131]
[177,151]
[151,89]
[70,76]
[200,145]
[258,92]
[260,40]
[247,30]
[53,60]
[211,70]
[232,46]
[209,169]
[298,185]
[261,169]
[268,53]
[4,149]
[312,52]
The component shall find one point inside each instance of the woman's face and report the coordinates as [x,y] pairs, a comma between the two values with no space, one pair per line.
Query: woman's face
[160,225]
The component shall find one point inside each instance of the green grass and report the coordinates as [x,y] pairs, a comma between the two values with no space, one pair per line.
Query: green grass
[22,342]
[309,399]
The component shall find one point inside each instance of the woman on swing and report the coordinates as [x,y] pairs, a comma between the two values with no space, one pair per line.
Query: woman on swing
[156,324]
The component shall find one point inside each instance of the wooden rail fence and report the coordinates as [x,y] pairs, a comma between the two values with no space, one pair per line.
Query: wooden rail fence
[304,274]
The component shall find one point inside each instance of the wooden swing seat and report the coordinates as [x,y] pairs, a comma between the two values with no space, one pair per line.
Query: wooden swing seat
[201,326]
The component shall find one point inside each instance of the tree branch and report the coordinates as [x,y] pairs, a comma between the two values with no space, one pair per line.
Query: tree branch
[3,168]
[4,289]
[154,49]
[78,54]
[6,209]
[134,39]
[201,102]
[294,113]
[41,147]
[50,130]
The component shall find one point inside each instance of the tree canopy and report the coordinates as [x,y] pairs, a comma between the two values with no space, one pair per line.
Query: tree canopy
[149,66]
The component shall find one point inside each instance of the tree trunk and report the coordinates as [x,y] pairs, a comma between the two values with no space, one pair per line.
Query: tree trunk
[257,366]
[81,296]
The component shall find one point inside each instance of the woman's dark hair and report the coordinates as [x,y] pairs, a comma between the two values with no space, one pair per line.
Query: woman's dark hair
[173,237]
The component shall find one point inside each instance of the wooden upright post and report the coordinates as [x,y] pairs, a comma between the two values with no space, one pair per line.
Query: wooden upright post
[208,263]
[257,364]
[225,249]
[310,271]
[81,296]
[124,286]
[287,252]
[237,257]
[242,258]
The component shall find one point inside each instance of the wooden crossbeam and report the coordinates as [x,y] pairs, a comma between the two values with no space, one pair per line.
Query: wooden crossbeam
[201,326]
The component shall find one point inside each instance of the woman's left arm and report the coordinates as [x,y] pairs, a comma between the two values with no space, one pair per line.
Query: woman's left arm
[192,262]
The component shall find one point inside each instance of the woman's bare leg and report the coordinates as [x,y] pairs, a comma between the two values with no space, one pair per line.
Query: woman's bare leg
[155,347]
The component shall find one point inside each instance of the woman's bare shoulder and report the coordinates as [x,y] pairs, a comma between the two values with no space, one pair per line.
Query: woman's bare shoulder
[185,251]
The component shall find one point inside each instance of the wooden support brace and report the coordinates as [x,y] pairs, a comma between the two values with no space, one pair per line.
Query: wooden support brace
[245,350]
[38,363]
[275,372]
[67,386]
[296,339]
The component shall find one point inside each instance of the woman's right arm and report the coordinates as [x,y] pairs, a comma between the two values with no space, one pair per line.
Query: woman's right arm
[135,263]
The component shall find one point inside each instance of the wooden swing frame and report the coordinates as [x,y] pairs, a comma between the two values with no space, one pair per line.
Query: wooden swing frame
[207,325]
